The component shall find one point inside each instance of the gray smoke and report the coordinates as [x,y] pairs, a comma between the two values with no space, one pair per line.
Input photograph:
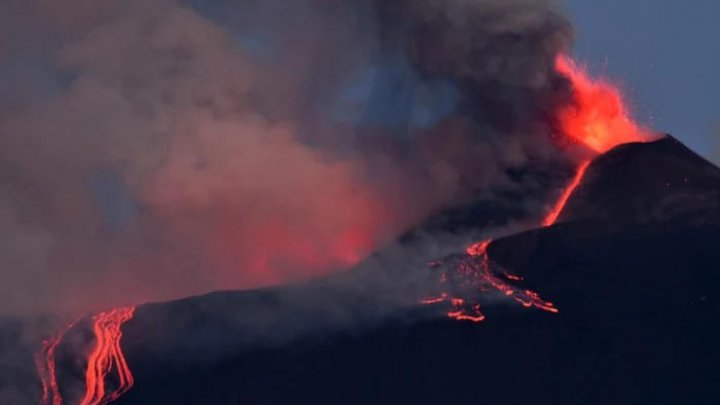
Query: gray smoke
[153,150]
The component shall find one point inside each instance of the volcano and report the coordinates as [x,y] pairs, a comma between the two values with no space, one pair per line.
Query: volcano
[630,264]
[333,202]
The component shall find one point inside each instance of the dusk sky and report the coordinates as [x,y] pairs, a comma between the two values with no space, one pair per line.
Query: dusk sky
[666,56]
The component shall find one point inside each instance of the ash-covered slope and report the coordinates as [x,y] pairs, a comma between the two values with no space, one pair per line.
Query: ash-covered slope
[631,267]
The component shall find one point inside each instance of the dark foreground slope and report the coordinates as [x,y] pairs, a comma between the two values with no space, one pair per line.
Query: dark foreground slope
[633,268]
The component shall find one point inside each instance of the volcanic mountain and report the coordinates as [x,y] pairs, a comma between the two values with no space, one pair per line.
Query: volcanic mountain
[630,266]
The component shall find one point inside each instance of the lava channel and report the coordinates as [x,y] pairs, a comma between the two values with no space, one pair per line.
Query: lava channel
[105,355]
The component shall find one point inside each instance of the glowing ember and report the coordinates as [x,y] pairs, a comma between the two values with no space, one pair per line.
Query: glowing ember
[554,214]
[107,352]
[598,116]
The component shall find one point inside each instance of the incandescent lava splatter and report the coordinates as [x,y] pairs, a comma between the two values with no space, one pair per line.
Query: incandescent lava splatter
[598,118]
[106,354]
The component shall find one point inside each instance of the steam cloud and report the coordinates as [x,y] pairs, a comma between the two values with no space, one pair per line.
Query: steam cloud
[152,150]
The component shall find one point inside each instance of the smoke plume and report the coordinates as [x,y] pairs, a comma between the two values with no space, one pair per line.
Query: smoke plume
[152,150]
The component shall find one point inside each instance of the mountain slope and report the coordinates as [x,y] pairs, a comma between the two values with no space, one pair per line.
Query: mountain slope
[631,269]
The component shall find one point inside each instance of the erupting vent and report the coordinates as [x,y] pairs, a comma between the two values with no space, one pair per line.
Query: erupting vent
[598,118]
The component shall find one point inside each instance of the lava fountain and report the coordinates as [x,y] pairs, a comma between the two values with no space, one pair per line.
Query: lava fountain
[598,118]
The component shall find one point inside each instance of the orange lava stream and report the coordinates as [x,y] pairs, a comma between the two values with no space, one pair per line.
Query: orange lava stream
[45,363]
[107,352]
[559,206]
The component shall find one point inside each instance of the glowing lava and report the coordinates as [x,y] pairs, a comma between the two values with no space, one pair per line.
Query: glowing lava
[105,355]
[526,298]
[473,272]
[559,206]
[597,118]
[107,352]
[45,363]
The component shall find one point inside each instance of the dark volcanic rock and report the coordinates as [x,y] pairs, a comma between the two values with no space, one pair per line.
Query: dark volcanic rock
[641,182]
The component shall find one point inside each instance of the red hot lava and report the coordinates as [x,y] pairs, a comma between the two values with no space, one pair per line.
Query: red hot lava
[45,363]
[473,271]
[597,118]
[557,209]
[106,354]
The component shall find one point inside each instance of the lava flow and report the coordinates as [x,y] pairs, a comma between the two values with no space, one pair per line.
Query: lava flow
[45,363]
[598,118]
[105,354]
[473,272]
[559,206]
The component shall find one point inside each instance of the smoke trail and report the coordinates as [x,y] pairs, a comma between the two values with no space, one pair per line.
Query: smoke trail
[156,150]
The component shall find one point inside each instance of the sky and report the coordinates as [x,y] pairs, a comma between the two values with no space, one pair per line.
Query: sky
[666,56]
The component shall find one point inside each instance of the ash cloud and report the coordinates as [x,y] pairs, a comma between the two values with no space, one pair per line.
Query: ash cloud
[153,150]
